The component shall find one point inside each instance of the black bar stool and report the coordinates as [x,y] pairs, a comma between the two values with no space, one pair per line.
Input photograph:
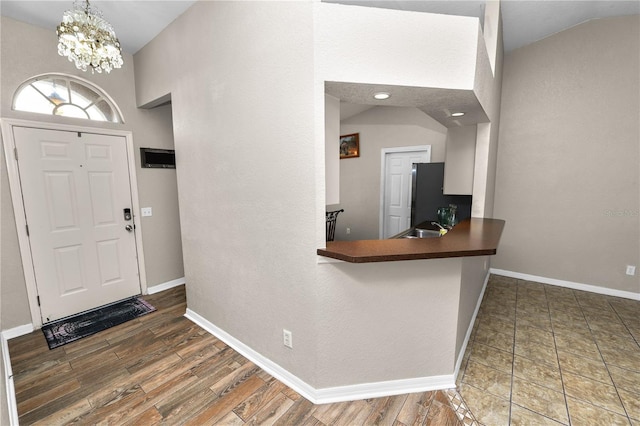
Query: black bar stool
[331,223]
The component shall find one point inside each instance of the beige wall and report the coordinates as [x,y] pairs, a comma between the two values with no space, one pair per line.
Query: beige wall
[160,232]
[459,160]
[567,175]
[27,51]
[249,135]
[331,151]
[376,320]
[474,271]
[244,137]
[13,291]
[484,183]
[379,128]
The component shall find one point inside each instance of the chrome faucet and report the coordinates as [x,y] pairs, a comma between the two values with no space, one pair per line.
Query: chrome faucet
[443,230]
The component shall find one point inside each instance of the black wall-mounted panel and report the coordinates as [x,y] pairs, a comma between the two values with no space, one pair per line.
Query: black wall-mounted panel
[152,158]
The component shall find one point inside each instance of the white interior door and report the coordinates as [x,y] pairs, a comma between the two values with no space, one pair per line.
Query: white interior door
[75,187]
[397,189]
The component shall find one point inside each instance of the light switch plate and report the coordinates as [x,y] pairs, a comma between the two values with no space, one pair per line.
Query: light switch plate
[146,211]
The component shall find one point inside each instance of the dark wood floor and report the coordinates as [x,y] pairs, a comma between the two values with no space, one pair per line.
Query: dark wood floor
[164,369]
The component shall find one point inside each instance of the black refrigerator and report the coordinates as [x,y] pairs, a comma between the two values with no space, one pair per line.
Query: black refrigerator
[427,197]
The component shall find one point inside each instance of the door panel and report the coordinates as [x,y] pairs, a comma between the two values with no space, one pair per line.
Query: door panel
[109,261]
[61,200]
[397,190]
[102,202]
[75,187]
[69,269]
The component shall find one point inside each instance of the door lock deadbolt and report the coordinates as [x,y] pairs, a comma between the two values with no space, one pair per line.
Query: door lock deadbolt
[127,214]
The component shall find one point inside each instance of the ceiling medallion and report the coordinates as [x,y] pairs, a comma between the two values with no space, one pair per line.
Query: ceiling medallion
[89,41]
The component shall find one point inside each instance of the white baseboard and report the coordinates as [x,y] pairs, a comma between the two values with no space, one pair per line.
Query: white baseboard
[9,385]
[382,389]
[165,286]
[6,335]
[325,395]
[266,364]
[568,284]
[18,331]
[470,328]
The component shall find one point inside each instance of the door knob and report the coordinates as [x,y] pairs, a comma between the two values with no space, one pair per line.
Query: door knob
[129,228]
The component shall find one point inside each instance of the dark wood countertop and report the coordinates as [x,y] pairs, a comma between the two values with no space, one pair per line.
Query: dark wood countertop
[471,237]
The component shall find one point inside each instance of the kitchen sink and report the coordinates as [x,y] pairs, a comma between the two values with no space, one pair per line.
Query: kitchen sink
[422,233]
[426,229]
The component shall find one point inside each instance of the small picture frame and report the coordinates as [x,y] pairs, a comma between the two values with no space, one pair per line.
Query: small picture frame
[350,146]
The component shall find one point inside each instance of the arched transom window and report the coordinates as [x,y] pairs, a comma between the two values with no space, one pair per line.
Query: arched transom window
[68,96]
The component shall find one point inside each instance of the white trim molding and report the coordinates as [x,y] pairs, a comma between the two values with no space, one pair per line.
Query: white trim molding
[568,284]
[382,389]
[21,330]
[5,336]
[9,385]
[325,395]
[165,286]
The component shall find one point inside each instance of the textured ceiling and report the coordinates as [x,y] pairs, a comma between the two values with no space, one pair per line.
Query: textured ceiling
[138,21]
[524,21]
[437,103]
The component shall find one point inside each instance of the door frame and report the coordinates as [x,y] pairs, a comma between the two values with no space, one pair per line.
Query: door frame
[383,167]
[6,127]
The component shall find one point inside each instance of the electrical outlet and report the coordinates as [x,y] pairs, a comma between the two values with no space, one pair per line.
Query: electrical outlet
[287,338]
[146,211]
[348,231]
[631,270]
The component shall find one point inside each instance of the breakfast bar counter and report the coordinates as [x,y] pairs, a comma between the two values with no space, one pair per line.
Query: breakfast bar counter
[470,237]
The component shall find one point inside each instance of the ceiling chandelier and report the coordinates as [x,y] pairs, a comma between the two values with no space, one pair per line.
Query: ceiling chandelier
[88,40]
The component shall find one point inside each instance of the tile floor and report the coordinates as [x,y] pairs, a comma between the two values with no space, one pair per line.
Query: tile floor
[547,355]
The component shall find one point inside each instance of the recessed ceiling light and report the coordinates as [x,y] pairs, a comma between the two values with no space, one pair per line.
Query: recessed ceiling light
[381,96]
[457,114]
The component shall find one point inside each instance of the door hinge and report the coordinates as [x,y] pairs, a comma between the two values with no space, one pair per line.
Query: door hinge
[38,298]
[15,153]
[27,226]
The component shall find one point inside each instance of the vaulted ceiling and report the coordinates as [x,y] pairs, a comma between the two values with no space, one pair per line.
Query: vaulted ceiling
[138,21]
[524,21]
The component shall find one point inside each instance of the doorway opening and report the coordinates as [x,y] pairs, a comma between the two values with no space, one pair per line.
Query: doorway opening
[395,186]
[55,215]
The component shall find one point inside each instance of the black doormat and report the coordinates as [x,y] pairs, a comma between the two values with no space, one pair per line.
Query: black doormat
[85,324]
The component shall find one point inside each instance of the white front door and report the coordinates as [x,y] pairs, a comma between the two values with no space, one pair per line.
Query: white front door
[397,190]
[75,187]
